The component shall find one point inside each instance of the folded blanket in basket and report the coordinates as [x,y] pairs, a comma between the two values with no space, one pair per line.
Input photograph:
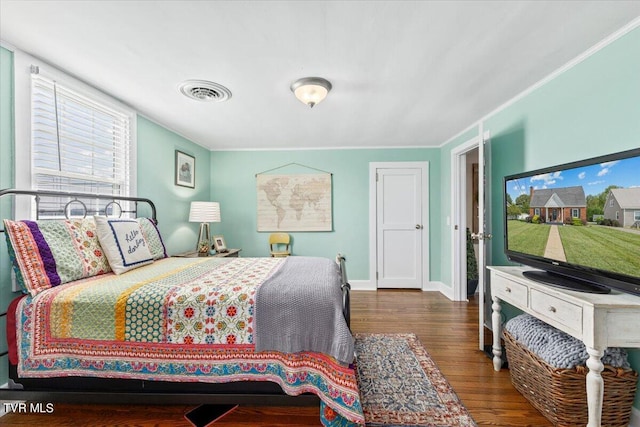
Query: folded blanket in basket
[557,348]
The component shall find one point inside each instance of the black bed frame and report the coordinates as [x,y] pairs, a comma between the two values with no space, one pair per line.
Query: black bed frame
[128,391]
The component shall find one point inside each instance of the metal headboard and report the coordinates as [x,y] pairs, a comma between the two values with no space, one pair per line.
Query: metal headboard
[110,201]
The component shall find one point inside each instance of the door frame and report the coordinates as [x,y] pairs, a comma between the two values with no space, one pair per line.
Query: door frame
[373,229]
[458,212]
[459,216]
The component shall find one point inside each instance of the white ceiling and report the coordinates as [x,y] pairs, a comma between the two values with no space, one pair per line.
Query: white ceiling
[404,73]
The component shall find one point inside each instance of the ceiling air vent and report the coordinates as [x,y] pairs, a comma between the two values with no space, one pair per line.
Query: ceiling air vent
[205,91]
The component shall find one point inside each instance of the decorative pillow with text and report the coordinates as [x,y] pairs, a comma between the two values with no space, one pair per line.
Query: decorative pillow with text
[123,243]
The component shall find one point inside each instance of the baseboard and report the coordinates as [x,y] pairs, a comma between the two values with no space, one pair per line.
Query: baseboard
[362,285]
[368,285]
[635,418]
[438,287]
[441,287]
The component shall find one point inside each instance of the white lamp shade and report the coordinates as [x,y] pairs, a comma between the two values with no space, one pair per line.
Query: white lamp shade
[204,212]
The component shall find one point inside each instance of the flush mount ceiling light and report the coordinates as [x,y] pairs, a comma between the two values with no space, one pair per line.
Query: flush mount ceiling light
[311,90]
[204,91]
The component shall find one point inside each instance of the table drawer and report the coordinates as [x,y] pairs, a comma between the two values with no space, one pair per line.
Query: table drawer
[556,310]
[509,291]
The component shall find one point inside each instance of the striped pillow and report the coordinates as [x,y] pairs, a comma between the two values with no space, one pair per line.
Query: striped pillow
[48,253]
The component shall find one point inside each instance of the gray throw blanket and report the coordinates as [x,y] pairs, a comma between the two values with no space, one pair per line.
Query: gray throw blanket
[299,308]
[557,348]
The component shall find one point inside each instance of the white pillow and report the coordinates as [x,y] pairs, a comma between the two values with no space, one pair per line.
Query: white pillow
[123,243]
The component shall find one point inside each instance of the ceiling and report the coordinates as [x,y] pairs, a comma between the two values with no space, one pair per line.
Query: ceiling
[404,73]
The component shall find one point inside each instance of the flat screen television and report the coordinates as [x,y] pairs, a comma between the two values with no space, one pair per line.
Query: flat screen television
[577,224]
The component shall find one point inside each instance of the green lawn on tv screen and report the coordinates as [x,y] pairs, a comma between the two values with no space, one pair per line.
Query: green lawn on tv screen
[604,248]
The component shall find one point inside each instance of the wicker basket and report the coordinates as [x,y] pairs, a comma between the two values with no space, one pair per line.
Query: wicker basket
[560,394]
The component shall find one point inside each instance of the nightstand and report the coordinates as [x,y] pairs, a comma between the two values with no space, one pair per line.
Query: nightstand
[235,253]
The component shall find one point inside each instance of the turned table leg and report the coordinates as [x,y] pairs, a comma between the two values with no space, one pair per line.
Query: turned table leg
[497,333]
[595,386]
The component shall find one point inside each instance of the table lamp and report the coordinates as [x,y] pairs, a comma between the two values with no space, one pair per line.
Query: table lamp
[204,213]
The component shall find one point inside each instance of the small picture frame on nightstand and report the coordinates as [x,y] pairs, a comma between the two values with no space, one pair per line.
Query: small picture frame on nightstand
[219,244]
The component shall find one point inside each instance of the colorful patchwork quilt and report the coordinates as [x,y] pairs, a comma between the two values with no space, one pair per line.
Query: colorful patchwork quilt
[178,319]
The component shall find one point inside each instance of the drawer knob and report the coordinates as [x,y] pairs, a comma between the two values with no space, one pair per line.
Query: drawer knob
[508,289]
[552,309]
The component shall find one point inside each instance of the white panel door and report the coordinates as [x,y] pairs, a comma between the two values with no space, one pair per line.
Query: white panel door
[399,228]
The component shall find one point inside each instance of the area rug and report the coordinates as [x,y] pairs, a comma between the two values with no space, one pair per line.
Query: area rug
[400,385]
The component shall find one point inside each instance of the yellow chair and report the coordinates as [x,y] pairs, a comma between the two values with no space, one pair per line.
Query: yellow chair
[276,241]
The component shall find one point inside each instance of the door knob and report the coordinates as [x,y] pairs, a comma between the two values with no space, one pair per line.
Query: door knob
[481,236]
[418,226]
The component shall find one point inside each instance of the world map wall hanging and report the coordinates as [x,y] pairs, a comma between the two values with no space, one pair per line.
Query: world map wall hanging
[294,202]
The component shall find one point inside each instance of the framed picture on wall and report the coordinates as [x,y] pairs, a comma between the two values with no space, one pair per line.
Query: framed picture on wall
[185,170]
[219,244]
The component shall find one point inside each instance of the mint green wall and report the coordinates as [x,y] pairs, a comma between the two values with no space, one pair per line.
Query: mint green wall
[156,181]
[590,110]
[6,181]
[444,207]
[234,186]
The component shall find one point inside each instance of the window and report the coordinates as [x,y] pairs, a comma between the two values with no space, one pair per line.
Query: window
[636,215]
[575,213]
[536,211]
[81,140]
[611,202]
[617,214]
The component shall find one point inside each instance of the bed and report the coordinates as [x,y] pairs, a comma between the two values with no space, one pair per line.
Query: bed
[107,316]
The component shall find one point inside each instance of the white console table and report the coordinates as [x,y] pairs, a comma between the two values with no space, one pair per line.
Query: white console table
[600,321]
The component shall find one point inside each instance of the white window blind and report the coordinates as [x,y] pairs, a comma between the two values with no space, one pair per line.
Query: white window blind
[79,143]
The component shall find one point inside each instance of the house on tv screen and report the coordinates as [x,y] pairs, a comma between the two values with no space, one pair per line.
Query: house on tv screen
[558,204]
[623,205]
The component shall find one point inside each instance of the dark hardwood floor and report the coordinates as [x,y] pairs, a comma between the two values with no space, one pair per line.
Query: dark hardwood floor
[449,331]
